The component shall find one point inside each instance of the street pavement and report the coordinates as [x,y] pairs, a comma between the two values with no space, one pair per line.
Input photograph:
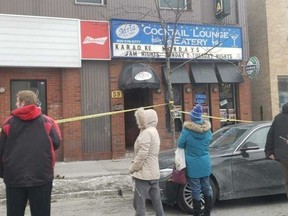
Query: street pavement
[88,179]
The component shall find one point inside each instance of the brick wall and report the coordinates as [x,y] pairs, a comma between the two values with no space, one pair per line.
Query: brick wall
[72,147]
[117,121]
[63,101]
[54,90]
[268,31]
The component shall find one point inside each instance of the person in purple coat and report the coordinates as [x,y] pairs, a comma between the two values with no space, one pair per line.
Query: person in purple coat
[195,138]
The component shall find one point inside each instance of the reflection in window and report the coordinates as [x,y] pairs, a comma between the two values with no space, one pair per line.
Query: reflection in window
[98,2]
[282,90]
[37,86]
[173,4]
[258,137]
[227,102]
[178,101]
[227,138]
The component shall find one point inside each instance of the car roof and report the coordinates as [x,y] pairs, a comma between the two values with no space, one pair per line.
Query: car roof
[247,124]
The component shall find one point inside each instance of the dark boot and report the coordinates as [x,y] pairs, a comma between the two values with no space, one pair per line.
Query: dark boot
[196,207]
[207,206]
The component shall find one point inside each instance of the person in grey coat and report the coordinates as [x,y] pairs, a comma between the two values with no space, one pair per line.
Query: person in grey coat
[276,147]
[144,167]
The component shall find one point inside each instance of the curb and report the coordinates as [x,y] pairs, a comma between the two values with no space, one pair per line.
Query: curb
[92,194]
[127,192]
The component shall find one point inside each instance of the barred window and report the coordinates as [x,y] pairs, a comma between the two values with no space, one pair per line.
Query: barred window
[173,4]
[94,2]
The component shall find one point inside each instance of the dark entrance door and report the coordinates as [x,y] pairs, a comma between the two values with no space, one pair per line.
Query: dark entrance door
[134,98]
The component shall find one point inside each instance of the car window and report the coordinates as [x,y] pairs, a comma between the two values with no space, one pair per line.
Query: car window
[218,133]
[228,138]
[258,137]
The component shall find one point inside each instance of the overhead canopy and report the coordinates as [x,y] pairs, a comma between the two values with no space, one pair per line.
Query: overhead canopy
[178,75]
[203,73]
[229,73]
[138,75]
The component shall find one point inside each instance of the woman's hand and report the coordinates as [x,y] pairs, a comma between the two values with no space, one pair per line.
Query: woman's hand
[272,157]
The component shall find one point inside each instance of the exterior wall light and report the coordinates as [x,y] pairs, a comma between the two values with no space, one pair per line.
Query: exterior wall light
[158,91]
[215,89]
[188,90]
[2,90]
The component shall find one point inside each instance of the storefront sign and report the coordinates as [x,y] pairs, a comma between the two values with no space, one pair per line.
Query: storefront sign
[140,39]
[38,41]
[253,67]
[222,8]
[95,40]
[200,98]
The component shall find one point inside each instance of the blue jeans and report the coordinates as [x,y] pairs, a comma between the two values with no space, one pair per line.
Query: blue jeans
[199,185]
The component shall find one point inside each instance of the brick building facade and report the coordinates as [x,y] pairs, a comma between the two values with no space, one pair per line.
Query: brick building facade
[268,42]
[87,88]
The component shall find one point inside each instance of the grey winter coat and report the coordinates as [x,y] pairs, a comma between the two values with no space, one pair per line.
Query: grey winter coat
[145,164]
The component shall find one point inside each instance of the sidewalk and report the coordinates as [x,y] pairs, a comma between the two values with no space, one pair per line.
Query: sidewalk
[88,179]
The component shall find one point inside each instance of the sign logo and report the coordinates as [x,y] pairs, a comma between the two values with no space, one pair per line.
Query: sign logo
[253,67]
[219,7]
[127,31]
[144,75]
[100,41]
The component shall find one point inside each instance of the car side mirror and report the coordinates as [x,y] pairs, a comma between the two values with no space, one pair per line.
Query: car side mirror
[249,146]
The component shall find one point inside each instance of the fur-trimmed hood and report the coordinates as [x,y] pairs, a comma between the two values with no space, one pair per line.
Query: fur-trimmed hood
[200,128]
[146,118]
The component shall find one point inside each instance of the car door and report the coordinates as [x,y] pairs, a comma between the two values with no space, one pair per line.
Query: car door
[252,173]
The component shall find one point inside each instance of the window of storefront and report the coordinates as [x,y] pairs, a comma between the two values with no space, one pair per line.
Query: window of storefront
[227,103]
[173,4]
[37,86]
[282,90]
[201,96]
[178,101]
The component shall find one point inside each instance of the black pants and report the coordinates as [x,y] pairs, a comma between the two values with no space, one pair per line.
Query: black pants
[39,200]
[285,168]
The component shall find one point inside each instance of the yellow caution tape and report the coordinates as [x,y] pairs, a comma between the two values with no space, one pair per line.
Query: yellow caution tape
[60,121]
[101,114]
[213,117]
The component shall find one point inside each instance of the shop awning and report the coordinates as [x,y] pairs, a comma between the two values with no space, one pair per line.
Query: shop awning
[229,73]
[138,75]
[178,75]
[203,73]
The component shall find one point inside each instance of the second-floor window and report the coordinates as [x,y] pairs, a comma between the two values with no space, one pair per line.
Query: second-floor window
[173,4]
[96,2]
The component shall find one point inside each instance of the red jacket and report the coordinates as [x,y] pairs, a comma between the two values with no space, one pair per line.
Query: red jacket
[28,142]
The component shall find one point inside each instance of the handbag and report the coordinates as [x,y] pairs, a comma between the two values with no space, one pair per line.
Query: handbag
[179,176]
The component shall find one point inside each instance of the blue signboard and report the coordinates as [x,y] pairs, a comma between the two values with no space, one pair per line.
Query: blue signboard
[141,39]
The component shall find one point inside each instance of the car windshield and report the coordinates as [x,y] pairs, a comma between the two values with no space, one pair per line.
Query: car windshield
[224,138]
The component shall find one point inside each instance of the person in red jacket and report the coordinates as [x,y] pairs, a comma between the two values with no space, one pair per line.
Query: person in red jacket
[28,141]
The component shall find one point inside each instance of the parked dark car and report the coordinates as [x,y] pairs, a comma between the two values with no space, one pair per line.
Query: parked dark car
[239,167]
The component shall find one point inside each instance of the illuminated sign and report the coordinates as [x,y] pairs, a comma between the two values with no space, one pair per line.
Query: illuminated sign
[95,40]
[142,39]
[222,8]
